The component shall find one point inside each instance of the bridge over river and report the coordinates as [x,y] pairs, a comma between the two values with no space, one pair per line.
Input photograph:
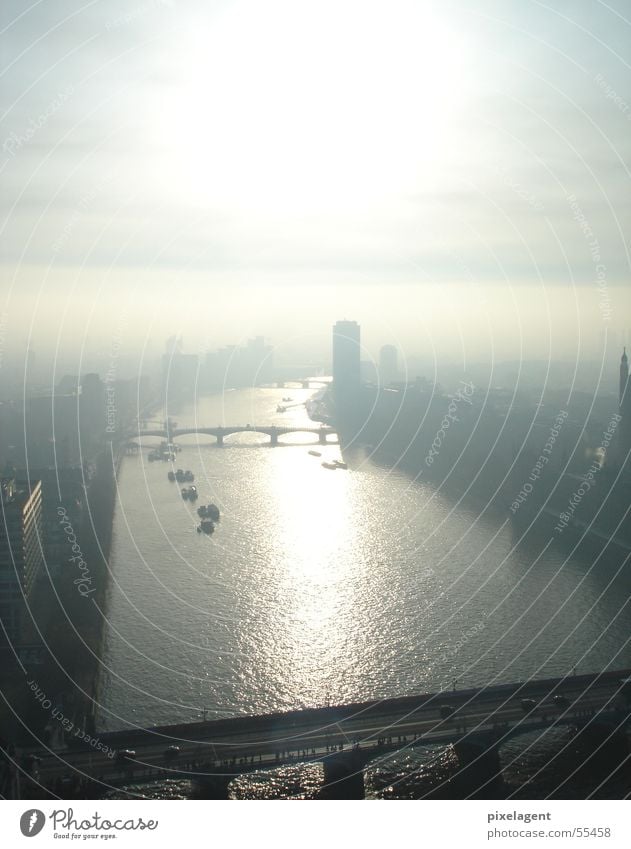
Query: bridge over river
[169,433]
[345,738]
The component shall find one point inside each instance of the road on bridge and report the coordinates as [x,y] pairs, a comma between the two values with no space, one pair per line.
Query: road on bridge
[296,740]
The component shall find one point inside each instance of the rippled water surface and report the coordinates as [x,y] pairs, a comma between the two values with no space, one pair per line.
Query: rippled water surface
[324,585]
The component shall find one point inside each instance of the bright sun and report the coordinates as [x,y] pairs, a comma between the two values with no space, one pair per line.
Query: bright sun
[288,104]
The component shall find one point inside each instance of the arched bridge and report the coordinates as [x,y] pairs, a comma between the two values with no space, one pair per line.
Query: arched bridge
[273,431]
[305,383]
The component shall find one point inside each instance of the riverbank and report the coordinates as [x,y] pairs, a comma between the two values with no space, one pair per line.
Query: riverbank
[58,669]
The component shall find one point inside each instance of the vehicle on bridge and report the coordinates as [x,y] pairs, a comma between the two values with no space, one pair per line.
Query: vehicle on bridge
[447,711]
[171,753]
[125,756]
[528,705]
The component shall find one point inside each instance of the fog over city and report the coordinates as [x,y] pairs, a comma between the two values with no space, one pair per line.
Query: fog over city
[315,402]
[453,176]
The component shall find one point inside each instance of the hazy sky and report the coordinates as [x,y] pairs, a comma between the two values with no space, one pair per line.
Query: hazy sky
[219,167]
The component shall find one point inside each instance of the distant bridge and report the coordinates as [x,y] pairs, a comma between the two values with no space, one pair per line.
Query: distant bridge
[220,433]
[305,382]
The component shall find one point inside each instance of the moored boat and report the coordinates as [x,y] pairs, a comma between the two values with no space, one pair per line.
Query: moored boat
[209,511]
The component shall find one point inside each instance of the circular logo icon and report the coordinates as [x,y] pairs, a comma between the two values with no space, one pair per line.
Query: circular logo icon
[32,822]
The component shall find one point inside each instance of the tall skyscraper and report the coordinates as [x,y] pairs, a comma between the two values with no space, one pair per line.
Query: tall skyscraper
[388,365]
[624,377]
[346,358]
[21,554]
[624,430]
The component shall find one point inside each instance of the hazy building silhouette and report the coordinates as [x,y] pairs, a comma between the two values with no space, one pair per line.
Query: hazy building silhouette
[256,362]
[91,409]
[388,365]
[21,554]
[49,434]
[368,372]
[237,367]
[346,359]
[180,373]
[624,431]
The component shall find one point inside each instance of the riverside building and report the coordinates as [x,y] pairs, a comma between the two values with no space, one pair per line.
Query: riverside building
[21,555]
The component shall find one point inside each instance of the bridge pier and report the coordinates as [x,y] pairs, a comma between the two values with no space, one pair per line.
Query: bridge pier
[480,774]
[220,440]
[344,776]
[603,745]
[322,437]
[215,786]
[273,437]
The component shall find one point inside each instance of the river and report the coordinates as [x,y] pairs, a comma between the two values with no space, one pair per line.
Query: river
[327,586]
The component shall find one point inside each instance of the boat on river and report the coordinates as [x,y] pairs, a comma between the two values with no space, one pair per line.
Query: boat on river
[209,511]
[326,465]
[315,453]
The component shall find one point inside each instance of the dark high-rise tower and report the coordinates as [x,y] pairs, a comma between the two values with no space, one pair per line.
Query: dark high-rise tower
[624,430]
[346,358]
[624,375]
[388,365]
[21,555]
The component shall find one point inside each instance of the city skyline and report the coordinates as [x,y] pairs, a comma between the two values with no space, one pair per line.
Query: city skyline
[480,169]
[315,408]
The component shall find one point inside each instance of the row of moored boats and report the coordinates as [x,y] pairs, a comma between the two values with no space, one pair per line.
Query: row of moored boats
[181,476]
[209,513]
[166,452]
